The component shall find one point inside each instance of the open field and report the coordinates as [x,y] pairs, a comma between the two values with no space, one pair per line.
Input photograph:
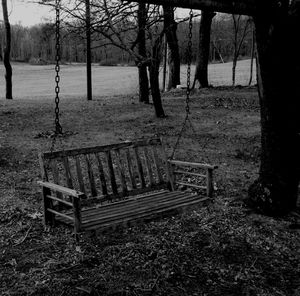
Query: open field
[223,249]
[38,81]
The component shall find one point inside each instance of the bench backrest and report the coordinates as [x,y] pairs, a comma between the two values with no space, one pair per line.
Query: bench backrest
[110,171]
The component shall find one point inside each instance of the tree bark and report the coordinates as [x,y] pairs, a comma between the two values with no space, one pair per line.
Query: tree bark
[201,74]
[7,48]
[154,78]
[275,192]
[170,27]
[142,67]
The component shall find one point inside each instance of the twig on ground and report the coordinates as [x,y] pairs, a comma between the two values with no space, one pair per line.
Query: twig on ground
[24,238]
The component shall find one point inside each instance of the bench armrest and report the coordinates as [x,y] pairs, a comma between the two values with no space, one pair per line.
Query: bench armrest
[193,164]
[62,189]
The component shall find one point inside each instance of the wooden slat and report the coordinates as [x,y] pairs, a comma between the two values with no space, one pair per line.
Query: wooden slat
[79,174]
[55,173]
[157,164]
[209,183]
[60,200]
[192,164]
[91,175]
[62,189]
[102,175]
[130,169]
[181,203]
[61,214]
[111,173]
[121,172]
[96,218]
[190,185]
[137,205]
[167,166]
[44,173]
[140,168]
[104,148]
[68,172]
[129,203]
[189,173]
[148,166]
[146,216]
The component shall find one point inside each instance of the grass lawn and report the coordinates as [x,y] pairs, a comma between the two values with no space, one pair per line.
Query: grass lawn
[222,249]
[31,81]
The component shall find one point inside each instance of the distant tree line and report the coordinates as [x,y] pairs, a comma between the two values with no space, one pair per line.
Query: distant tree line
[36,44]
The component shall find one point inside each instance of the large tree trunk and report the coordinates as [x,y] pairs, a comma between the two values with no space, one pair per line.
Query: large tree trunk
[154,78]
[275,191]
[201,74]
[142,67]
[6,57]
[174,58]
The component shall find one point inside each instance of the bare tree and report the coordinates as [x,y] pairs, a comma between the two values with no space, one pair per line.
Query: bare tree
[7,48]
[240,30]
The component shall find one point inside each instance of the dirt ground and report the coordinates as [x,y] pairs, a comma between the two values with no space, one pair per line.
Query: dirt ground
[222,249]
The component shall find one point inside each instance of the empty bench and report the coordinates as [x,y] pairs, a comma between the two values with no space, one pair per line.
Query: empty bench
[106,186]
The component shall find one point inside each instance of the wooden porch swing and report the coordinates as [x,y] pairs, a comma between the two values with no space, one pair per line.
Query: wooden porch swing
[101,187]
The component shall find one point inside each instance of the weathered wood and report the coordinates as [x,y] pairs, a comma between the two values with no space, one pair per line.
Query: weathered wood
[189,173]
[193,164]
[209,183]
[140,208]
[140,168]
[111,173]
[55,173]
[68,172]
[168,168]
[190,185]
[44,174]
[65,216]
[145,215]
[97,149]
[60,200]
[144,161]
[49,218]
[77,214]
[244,7]
[102,175]
[121,172]
[91,175]
[62,189]
[157,164]
[130,169]
[148,167]
[79,175]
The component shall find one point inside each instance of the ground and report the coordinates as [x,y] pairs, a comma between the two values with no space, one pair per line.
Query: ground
[222,249]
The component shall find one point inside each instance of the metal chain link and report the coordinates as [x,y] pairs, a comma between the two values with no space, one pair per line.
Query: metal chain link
[58,128]
[189,62]
[188,84]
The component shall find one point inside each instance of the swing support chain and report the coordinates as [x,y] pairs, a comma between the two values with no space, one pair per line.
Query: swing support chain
[188,84]
[58,127]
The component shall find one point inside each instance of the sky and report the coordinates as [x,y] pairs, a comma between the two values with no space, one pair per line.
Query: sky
[26,13]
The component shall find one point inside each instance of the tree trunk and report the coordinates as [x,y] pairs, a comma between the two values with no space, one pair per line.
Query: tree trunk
[234,63]
[275,191]
[6,56]
[252,54]
[154,78]
[201,74]
[142,67]
[170,27]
